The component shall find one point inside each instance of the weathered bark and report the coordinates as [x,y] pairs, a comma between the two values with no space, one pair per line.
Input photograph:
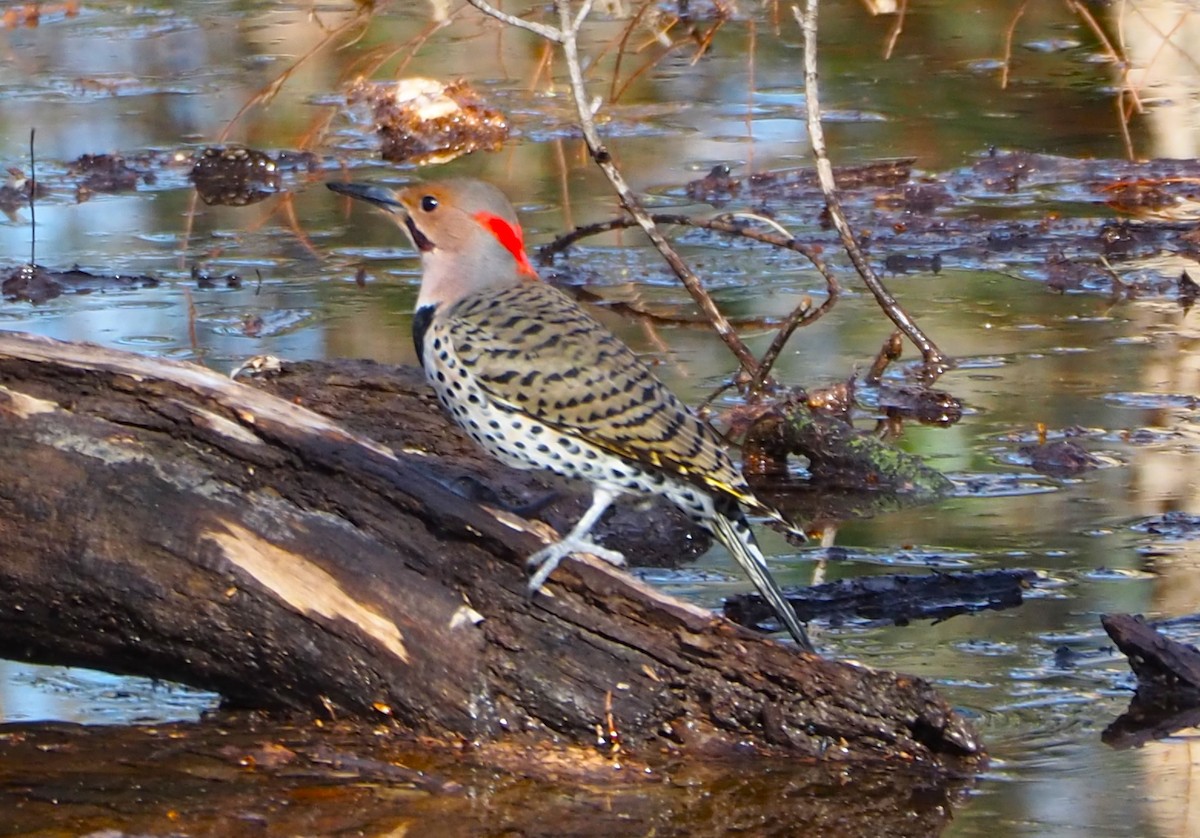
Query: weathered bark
[1168,672]
[1168,682]
[157,518]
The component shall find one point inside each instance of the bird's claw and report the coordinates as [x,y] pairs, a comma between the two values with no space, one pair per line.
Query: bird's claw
[544,561]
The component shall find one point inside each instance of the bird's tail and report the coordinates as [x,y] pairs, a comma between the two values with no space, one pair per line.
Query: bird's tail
[758,506]
[734,532]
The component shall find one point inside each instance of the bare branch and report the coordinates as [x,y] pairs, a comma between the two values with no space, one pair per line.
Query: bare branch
[802,315]
[631,203]
[584,11]
[1008,42]
[539,29]
[935,361]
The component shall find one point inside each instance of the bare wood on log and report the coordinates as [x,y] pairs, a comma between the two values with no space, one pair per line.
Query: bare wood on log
[157,518]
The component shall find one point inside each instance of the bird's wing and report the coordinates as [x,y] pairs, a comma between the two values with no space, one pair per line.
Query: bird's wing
[535,350]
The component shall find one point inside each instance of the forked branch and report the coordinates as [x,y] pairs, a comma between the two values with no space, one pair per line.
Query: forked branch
[935,362]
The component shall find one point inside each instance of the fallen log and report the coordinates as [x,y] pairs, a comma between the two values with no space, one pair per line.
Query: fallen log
[157,518]
[1168,672]
[1168,682]
[896,598]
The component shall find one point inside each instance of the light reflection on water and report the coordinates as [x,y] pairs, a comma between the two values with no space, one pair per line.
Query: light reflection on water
[153,78]
[33,693]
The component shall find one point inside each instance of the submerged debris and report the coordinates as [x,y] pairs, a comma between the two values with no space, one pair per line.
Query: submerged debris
[106,173]
[1002,210]
[719,186]
[902,263]
[1064,273]
[204,279]
[840,457]
[31,14]
[1168,198]
[15,191]
[423,121]
[716,187]
[36,284]
[1189,290]
[234,176]
[1060,458]
[924,404]
[1168,682]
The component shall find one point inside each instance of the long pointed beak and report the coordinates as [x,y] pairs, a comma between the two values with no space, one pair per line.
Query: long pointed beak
[377,195]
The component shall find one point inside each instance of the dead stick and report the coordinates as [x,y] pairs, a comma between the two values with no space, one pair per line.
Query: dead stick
[935,361]
[802,315]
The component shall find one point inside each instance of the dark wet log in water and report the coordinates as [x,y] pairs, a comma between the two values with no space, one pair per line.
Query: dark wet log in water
[162,520]
[1168,678]
[1167,671]
[894,598]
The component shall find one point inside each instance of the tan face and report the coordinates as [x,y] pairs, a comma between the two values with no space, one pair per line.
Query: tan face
[466,231]
[468,221]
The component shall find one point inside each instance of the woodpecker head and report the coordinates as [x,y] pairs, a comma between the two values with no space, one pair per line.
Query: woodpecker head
[466,231]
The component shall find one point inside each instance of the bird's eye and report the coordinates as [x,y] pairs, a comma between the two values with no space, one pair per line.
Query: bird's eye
[429,203]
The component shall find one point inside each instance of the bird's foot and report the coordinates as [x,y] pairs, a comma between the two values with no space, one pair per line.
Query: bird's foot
[544,561]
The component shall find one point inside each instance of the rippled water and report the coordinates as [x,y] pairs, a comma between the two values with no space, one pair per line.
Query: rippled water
[141,78]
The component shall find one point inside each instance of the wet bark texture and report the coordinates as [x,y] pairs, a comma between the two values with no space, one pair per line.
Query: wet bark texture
[1168,672]
[894,598]
[159,519]
[1168,682]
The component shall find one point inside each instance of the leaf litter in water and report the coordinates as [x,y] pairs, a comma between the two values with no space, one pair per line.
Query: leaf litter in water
[424,122]
[35,284]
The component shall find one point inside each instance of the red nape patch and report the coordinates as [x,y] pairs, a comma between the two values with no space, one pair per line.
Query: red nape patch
[511,237]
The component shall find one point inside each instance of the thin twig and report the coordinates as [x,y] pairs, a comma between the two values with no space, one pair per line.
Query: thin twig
[572,26]
[646,67]
[1123,121]
[897,28]
[267,93]
[1120,59]
[802,315]
[32,201]
[1097,30]
[650,318]
[633,206]
[547,251]
[539,29]
[1009,34]
[935,362]
[888,352]
[751,85]
[622,45]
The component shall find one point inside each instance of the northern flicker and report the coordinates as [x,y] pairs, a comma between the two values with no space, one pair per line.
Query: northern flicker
[540,384]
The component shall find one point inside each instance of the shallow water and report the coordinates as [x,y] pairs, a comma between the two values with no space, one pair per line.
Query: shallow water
[135,79]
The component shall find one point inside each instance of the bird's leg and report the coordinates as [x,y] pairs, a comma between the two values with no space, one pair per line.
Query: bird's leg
[544,561]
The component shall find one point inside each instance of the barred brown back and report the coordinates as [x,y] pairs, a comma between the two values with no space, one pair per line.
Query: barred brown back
[532,348]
